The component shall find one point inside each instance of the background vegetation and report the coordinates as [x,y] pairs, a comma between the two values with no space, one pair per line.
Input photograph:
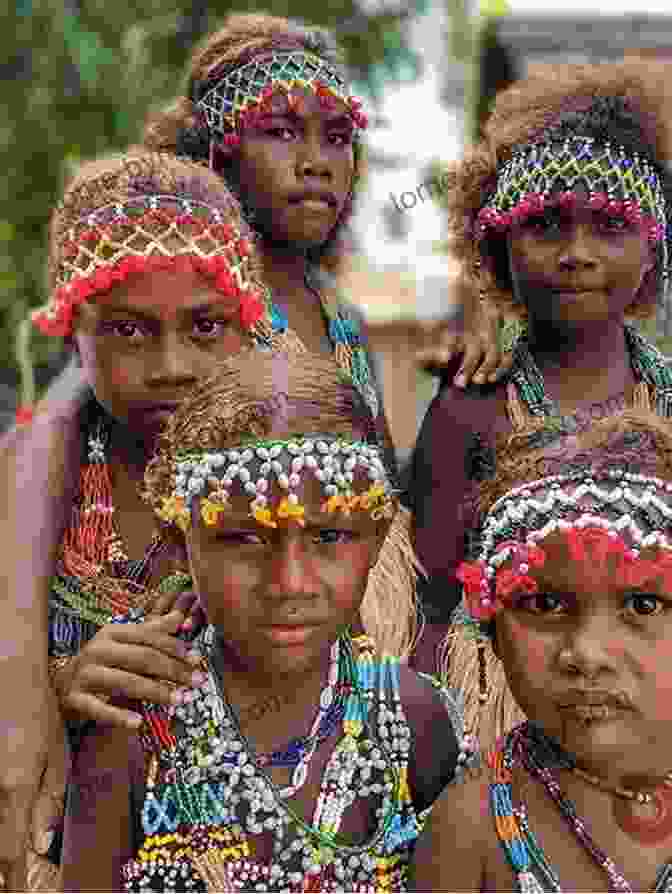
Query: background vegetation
[77,78]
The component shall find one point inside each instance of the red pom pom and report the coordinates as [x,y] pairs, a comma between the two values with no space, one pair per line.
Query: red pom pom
[24,414]
[251,309]
[598,201]
[243,247]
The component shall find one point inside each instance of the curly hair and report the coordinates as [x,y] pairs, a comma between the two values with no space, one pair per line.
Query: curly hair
[181,129]
[242,402]
[135,173]
[623,103]
[636,438]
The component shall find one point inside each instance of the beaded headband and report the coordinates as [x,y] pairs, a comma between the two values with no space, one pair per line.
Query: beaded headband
[542,174]
[333,462]
[241,93]
[606,513]
[147,234]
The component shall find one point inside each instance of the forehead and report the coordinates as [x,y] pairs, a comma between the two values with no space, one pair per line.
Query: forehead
[165,296]
[308,106]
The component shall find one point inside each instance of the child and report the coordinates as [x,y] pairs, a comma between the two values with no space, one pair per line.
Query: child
[155,280]
[268,107]
[571,588]
[307,758]
[562,214]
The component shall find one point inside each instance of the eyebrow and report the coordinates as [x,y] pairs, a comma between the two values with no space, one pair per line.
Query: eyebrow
[130,311]
[340,118]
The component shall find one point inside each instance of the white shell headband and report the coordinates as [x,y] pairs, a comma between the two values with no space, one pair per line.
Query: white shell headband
[252,468]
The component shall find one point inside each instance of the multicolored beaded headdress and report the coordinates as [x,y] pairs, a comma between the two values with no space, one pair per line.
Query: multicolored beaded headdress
[242,93]
[546,173]
[147,234]
[602,514]
[251,469]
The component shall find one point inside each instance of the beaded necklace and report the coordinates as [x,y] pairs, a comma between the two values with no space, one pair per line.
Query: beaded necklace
[648,364]
[208,794]
[528,747]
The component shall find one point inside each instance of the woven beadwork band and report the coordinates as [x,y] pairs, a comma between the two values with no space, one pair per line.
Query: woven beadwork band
[540,174]
[248,86]
[251,467]
[633,510]
[146,234]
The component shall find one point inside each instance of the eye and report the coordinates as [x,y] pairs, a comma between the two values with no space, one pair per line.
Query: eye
[342,138]
[329,537]
[541,604]
[282,133]
[206,328]
[642,604]
[542,223]
[240,538]
[126,329]
[613,224]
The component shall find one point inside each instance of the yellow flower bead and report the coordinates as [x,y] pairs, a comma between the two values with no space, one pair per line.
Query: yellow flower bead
[210,511]
[264,517]
[292,511]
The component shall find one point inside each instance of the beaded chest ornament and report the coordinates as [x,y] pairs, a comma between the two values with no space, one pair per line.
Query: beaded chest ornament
[148,234]
[252,469]
[208,793]
[542,175]
[241,94]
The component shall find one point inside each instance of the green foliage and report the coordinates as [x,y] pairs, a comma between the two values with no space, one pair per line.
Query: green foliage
[78,79]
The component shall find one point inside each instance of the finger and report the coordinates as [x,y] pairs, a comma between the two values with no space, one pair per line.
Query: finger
[488,364]
[158,632]
[122,686]
[470,361]
[196,620]
[506,362]
[163,604]
[141,661]
[89,706]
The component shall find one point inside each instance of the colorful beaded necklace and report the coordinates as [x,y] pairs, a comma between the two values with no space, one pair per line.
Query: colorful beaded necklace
[648,364]
[527,746]
[208,794]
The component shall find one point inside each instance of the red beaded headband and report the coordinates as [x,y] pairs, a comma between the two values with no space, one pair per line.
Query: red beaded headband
[145,235]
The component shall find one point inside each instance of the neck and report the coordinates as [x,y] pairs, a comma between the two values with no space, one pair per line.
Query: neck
[589,348]
[246,684]
[129,451]
[284,272]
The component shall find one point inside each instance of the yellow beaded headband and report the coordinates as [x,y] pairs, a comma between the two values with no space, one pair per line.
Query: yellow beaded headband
[252,467]
[143,235]
[241,93]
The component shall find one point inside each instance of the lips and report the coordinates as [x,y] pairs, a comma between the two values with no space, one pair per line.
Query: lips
[289,635]
[314,198]
[598,702]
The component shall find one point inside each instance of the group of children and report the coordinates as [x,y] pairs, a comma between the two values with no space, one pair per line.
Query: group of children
[222,435]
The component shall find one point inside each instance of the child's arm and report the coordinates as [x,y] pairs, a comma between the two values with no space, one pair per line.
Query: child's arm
[98,836]
[451,852]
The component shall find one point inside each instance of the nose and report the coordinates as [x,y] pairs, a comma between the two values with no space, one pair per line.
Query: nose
[579,249]
[290,573]
[586,649]
[312,160]
[172,363]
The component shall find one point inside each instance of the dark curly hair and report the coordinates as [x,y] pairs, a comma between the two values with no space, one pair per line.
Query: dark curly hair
[180,129]
[623,103]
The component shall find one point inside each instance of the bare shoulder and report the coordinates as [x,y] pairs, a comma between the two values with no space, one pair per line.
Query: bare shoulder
[452,851]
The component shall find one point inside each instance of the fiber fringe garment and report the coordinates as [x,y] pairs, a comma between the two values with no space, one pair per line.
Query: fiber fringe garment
[467,661]
[80,603]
